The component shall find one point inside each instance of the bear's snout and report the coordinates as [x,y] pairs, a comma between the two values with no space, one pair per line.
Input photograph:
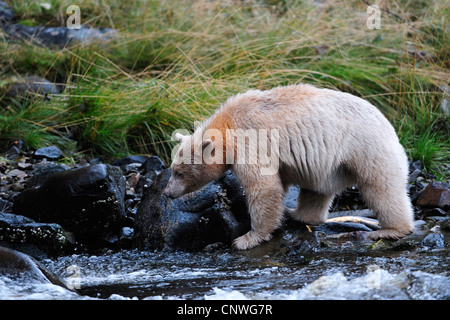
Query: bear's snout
[168,194]
[173,190]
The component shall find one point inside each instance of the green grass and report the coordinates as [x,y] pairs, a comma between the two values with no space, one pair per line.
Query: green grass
[174,62]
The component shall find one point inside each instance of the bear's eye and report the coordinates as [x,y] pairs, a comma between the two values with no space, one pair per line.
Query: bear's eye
[178,174]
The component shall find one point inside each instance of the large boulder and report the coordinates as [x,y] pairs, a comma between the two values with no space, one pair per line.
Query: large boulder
[37,239]
[88,201]
[216,213]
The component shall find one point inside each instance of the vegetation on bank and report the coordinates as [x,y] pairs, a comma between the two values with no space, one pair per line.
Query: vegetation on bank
[174,62]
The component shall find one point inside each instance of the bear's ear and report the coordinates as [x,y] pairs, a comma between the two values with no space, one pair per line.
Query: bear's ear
[206,143]
[179,137]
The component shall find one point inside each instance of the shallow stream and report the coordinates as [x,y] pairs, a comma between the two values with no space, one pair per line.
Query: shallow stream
[334,273]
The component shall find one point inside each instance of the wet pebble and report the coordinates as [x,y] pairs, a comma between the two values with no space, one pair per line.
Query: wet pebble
[51,153]
[433,240]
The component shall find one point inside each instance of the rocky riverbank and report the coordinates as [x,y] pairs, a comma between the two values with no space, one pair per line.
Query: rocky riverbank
[50,209]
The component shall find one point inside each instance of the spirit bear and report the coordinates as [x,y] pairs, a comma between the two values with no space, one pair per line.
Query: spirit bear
[321,140]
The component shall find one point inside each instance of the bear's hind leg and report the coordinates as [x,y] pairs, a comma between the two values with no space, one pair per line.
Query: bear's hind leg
[392,208]
[312,207]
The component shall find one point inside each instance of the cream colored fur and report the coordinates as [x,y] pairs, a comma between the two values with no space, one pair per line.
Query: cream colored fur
[328,140]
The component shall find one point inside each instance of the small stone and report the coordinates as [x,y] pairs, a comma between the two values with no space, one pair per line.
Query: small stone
[24,165]
[13,153]
[433,240]
[129,160]
[413,176]
[126,232]
[51,153]
[416,165]
[16,173]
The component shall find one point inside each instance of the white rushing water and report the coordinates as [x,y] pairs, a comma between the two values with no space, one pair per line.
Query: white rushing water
[378,284]
[227,275]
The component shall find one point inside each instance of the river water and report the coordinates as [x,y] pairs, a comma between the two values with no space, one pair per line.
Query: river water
[334,273]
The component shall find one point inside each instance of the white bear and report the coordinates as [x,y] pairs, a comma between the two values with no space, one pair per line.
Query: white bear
[320,139]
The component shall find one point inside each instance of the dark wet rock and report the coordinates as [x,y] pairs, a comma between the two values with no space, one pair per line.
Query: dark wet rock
[88,201]
[150,167]
[413,175]
[415,165]
[293,239]
[349,199]
[38,239]
[153,164]
[436,194]
[43,171]
[216,213]
[301,242]
[129,160]
[433,240]
[15,263]
[213,247]
[58,36]
[6,13]
[51,153]
[15,150]
[13,153]
[434,212]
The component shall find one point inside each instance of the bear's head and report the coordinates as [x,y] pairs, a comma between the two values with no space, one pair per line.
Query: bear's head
[194,165]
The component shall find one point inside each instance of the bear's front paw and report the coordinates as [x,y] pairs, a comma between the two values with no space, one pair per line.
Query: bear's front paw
[249,240]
